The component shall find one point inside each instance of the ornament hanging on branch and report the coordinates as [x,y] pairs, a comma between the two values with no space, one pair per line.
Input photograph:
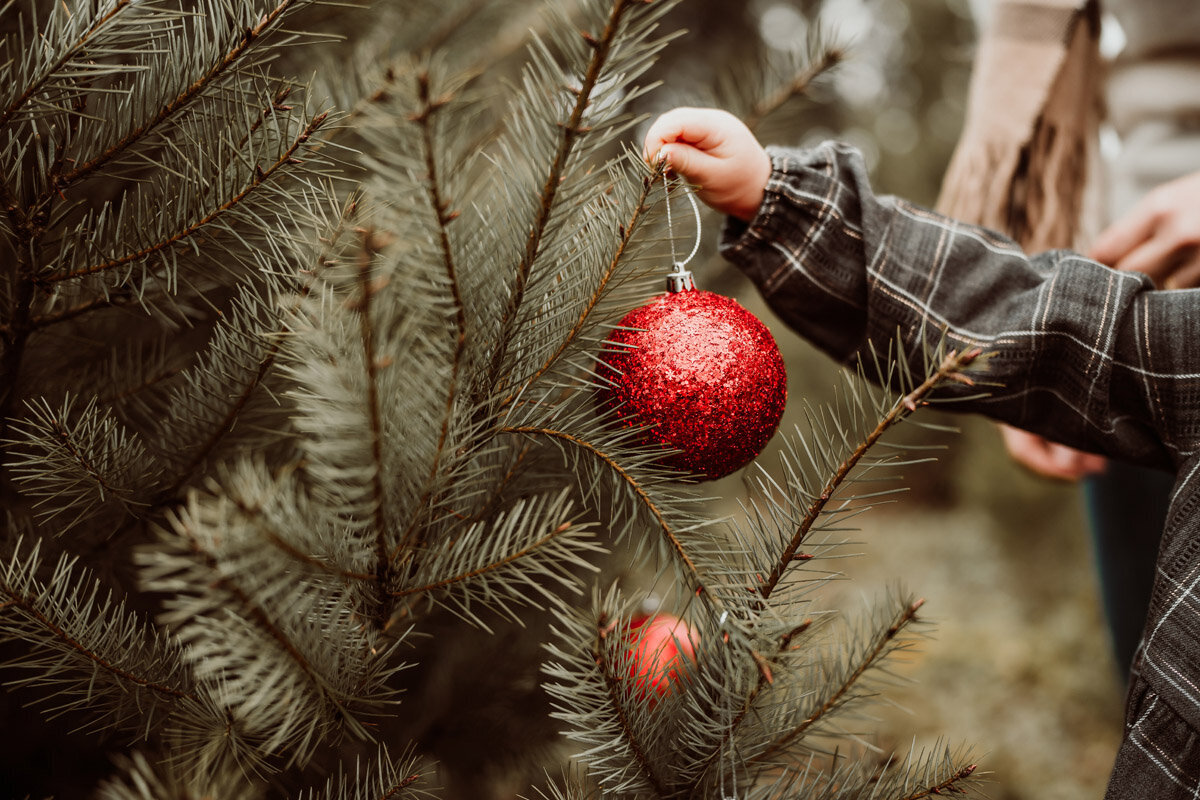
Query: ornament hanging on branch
[702,374]
[659,647]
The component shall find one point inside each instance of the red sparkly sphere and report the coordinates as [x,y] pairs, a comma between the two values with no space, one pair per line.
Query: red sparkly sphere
[704,373]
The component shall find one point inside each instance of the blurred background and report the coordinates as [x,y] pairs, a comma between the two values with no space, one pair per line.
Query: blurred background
[1019,664]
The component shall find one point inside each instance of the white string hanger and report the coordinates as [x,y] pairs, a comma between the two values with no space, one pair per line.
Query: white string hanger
[680,279]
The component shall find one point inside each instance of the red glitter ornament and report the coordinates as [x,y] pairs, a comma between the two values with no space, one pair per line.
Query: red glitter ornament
[704,373]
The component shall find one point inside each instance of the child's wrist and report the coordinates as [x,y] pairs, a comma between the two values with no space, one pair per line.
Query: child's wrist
[758,174]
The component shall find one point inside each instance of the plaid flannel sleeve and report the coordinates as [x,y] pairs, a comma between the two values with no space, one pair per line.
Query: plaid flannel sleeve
[1083,354]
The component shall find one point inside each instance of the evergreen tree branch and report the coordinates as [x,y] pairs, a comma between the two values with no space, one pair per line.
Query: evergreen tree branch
[797,86]
[69,50]
[78,461]
[438,37]
[625,233]
[262,619]
[278,104]
[283,652]
[279,540]
[764,680]
[618,696]
[250,37]
[915,776]
[440,206]
[117,299]
[237,405]
[951,369]
[492,505]
[947,786]
[570,131]
[28,605]
[18,217]
[617,468]
[16,336]
[105,660]
[144,779]
[218,432]
[487,568]
[367,288]
[878,650]
[385,779]
[261,177]
[523,555]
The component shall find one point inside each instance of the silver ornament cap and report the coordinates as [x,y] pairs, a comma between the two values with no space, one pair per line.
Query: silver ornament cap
[680,280]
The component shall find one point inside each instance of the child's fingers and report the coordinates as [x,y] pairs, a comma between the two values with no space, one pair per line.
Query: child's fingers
[681,159]
[698,127]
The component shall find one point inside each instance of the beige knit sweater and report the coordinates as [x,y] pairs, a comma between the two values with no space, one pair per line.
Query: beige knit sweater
[1022,160]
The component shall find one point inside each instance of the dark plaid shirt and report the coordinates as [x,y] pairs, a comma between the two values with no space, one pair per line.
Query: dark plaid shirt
[1084,355]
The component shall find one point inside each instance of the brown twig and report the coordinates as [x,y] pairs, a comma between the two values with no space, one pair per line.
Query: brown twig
[262,618]
[618,692]
[111,300]
[797,86]
[368,286]
[26,605]
[626,233]
[32,89]
[235,409]
[274,537]
[950,785]
[785,643]
[249,38]
[82,460]
[492,567]
[401,786]
[441,209]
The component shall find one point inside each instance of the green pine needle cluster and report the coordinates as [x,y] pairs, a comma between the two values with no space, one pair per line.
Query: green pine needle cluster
[285,383]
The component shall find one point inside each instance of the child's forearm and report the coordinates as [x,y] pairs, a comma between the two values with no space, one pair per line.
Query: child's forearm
[841,266]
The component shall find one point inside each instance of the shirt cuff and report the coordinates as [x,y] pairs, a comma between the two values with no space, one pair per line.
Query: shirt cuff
[739,238]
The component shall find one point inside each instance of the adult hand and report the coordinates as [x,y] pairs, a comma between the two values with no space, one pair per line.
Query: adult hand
[1160,236]
[1049,459]
[715,151]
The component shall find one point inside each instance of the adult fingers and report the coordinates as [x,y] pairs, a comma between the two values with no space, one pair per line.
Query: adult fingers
[1117,240]
[1157,257]
[1186,274]
[1049,459]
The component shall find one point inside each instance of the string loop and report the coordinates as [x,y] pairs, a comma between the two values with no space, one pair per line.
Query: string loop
[680,279]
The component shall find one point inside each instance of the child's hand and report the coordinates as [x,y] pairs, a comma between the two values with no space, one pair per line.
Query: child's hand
[716,151]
